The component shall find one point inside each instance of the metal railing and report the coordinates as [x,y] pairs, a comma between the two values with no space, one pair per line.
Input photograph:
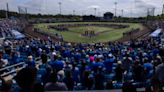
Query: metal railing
[21,66]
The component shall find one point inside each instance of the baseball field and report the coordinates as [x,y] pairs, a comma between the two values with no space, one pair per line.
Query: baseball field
[88,32]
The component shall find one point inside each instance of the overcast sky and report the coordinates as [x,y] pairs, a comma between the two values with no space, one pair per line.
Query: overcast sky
[133,8]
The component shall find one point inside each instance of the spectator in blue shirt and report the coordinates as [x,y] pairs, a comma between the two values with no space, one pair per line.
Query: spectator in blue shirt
[108,63]
[30,62]
[57,64]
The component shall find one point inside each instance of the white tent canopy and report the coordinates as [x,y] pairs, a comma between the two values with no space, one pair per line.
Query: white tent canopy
[156,33]
[17,34]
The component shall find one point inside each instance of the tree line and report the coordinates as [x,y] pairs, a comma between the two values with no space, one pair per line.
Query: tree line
[77,17]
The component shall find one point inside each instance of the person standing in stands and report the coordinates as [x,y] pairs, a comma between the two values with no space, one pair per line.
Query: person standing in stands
[158,79]
[16,58]
[119,72]
[25,79]
[138,71]
[108,63]
[54,85]
[148,66]
[44,57]
[99,79]
[68,80]
[86,81]
[30,62]
[57,64]
[127,62]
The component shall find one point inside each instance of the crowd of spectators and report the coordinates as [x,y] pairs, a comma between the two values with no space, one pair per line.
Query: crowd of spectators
[6,25]
[61,66]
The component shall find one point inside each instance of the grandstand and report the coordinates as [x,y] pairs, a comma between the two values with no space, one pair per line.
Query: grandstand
[35,55]
[8,29]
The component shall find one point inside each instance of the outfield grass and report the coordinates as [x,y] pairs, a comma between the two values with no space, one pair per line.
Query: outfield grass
[74,35]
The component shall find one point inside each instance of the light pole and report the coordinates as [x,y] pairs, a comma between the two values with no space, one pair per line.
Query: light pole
[122,11]
[7,10]
[115,3]
[73,12]
[95,9]
[163,9]
[153,11]
[60,8]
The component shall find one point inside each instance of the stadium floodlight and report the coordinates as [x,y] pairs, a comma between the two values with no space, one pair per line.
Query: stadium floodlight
[122,11]
[7,10]
[148,11]
[60,8]
[163,9]
[95,9]
[153,11]
[73,12]
[115,3]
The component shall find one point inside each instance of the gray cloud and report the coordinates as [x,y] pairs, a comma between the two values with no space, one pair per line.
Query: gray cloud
[131,7]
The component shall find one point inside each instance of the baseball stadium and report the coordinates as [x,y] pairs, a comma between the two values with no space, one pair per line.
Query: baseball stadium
[81,46]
